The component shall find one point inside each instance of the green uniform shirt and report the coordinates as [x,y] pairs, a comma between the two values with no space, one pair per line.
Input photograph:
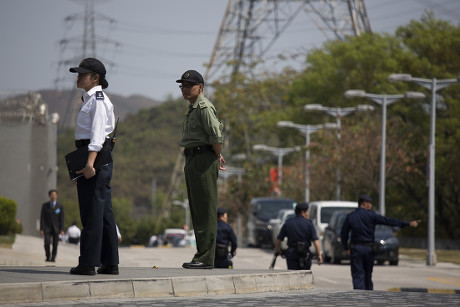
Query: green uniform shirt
[202,126]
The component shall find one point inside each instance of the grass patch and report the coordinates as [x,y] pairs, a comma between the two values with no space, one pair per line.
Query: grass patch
[7,241]
[442,255]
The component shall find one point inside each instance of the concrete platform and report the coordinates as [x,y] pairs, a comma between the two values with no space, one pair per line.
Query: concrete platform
[29,284]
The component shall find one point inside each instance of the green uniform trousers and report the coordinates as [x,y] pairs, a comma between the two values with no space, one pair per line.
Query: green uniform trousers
[201,172]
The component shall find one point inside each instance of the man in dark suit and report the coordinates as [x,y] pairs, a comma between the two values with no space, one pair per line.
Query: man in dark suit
[52,224]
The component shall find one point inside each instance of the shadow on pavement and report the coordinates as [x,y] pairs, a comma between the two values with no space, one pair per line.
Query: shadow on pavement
[31,271]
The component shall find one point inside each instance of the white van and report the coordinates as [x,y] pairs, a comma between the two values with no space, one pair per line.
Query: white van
[320,213]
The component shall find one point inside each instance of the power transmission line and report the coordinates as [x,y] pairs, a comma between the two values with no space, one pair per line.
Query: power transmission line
[82,47]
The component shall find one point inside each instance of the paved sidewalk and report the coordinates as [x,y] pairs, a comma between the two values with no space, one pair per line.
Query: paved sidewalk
[310,297]
[25,278]
[42,284]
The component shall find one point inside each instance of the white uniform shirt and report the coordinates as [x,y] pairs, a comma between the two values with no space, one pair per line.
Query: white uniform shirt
[73,232]
[95,120]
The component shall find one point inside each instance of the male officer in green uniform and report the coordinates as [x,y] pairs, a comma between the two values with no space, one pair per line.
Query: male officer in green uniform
[202,141]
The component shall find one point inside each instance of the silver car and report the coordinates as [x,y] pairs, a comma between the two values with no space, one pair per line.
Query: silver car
[277,223]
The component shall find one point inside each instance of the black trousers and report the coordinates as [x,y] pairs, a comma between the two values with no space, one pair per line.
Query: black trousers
[220,263]
[293,260]
[48,237]
[98,240]
[362,264]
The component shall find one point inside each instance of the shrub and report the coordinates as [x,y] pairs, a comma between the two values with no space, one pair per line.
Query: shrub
[8,224]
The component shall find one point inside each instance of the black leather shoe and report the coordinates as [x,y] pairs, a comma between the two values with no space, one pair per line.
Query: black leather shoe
[83,270]
[48,260]
[196,265]
[108,269]
[53,259]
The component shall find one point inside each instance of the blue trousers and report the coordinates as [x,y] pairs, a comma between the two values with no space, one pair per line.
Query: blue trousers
[98,240]
[362,264]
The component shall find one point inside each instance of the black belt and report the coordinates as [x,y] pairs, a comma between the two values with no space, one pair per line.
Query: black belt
[82,143]
[197,150]
[85,142]
[369,244]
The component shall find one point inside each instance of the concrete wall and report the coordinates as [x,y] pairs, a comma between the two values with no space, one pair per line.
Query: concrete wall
[28,168]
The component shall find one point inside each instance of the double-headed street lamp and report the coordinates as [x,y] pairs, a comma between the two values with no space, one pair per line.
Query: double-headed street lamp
[184,204]
[384,100]
[338,113]
[280,152]
[307,130]
[239,172]
[231,171]
[434,85]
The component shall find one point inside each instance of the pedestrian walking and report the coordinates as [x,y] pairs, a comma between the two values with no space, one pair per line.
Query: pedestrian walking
[225,238]
[51,224]
[361,223]
[300,233]
[202,141]
[96,120]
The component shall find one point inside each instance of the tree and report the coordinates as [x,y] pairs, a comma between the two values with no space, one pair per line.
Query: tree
[425,48]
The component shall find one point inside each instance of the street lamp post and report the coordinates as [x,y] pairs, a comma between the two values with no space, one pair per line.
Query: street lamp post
[338,113]
[280,152]
[307,130]
[434,85]
[384,100]
[184,204]
[235,171]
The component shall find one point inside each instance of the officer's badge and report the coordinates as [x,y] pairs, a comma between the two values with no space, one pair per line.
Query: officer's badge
[99,95]
[82,63]
[186,75]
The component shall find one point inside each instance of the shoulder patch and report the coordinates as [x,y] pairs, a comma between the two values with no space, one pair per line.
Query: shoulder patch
[202,104]
[99,95]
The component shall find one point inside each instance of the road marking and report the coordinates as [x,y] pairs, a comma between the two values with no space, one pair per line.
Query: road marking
[424,290]
[327,280]
[444,281]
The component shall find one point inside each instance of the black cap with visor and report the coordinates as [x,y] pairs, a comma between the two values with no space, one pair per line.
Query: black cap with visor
[89,65]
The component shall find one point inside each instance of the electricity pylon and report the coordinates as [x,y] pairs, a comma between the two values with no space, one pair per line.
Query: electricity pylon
[83,46]
[251,27]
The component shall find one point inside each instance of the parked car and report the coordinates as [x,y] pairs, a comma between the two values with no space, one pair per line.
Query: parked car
[261,211]
[384,236]
[277,223]
[320,213]
[174,236]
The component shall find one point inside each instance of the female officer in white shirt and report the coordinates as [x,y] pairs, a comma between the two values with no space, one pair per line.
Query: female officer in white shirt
[98,241]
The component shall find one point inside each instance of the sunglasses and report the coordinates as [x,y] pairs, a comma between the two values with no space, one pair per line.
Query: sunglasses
[190,85]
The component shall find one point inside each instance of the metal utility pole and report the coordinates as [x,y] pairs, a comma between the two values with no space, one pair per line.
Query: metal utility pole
[433,85]
[280,153]
[251,27]
[384,100]
[307,130]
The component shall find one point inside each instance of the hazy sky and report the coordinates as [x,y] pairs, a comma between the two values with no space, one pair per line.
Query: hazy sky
[159,40]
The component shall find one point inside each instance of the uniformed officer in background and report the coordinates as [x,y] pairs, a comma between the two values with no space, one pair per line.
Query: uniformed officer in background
[361,223]
[300,233]
[225,237]
[96,120]
[202,141]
